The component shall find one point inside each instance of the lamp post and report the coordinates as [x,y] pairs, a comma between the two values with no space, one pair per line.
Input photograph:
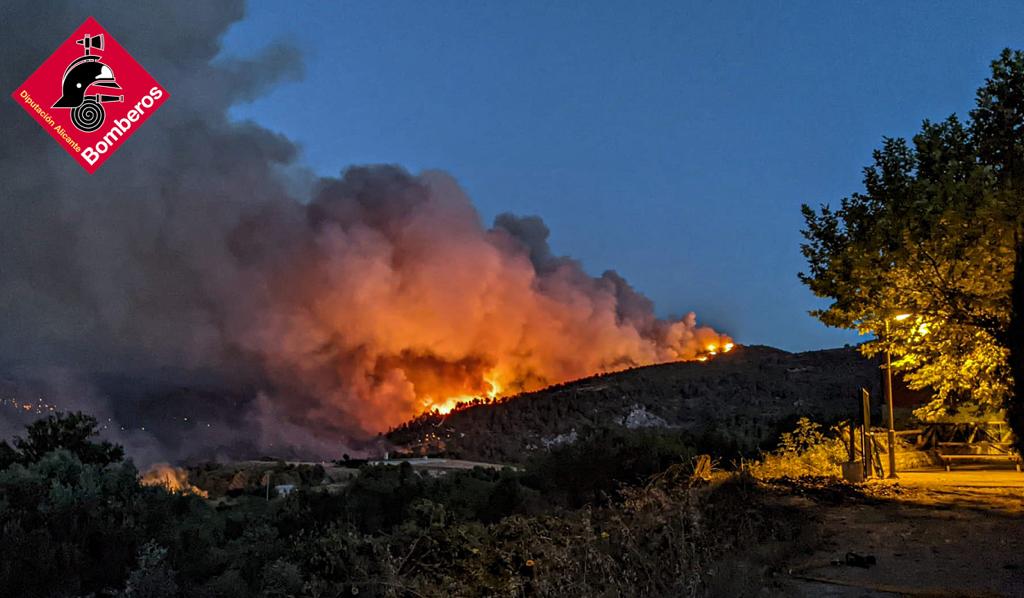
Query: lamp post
[888,399]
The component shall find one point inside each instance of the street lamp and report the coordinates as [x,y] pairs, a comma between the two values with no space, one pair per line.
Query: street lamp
[888,399]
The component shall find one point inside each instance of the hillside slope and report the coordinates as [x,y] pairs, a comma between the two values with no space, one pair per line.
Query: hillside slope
[744,397]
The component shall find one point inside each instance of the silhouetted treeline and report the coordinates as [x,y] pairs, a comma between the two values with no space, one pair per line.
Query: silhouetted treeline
[582,518]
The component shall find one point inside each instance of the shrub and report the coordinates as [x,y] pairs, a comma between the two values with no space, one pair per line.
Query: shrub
[804,451]
[153,578]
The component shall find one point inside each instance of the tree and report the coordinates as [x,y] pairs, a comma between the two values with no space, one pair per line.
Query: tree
[153,578]
[935,234]
[73,432]
[1000,122]
[69,529]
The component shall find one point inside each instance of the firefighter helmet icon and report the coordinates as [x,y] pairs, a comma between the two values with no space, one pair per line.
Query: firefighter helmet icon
[81,78]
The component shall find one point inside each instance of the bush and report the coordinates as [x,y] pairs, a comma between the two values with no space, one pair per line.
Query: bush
[661,539]
[66,525]
[153,578]
[806,451]
[592,469]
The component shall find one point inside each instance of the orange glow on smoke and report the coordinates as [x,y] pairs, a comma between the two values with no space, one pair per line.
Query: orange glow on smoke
[492,387]
[404,303]
[447,404]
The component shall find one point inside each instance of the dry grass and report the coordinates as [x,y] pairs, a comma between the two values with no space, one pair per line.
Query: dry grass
[676,536]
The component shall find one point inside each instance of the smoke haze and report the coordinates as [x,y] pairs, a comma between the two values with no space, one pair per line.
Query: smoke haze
[325,311]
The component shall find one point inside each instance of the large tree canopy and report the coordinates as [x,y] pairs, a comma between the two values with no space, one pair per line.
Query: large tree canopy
[74,432]
[933,235]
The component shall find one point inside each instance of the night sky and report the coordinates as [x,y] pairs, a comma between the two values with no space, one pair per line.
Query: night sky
[674,144]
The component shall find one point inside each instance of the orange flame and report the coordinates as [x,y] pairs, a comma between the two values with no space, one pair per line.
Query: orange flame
[448,404]
[493,387]
[173,479]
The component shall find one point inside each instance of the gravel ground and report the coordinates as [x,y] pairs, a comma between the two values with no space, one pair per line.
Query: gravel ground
[959,533]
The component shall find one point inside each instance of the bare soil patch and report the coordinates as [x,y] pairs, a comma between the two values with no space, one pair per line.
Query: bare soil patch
[933,533]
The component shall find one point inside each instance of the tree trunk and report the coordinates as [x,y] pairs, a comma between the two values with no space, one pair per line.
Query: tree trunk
[1015,408]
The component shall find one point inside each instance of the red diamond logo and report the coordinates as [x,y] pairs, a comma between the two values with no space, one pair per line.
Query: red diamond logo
[90,95]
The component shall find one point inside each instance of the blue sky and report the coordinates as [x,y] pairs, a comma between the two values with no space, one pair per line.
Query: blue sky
[673,142]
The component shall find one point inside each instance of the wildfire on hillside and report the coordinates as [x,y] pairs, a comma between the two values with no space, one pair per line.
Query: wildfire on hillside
[397,300]
[173,479]
[340,305]
[493,387]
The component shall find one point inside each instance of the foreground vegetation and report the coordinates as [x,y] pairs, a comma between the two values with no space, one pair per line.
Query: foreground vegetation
[616,513]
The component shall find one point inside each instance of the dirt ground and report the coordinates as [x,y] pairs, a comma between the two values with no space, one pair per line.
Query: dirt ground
[932,533]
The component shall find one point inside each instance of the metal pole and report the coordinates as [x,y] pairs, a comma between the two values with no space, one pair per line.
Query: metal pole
[888,397]
[853,441]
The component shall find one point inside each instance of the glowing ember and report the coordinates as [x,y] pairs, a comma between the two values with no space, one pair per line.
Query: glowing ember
[713,349]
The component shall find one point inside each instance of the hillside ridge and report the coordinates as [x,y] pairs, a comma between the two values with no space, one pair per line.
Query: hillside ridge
[742,398]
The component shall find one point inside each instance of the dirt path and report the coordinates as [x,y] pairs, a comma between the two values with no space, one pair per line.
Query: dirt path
[935,534]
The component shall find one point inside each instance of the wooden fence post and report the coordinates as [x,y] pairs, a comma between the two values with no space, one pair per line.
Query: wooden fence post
[865,399]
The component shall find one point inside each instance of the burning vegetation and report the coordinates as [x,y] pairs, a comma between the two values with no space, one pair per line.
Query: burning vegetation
[172,479]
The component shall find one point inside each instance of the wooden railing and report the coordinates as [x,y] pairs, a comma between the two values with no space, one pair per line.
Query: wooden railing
[970,441]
